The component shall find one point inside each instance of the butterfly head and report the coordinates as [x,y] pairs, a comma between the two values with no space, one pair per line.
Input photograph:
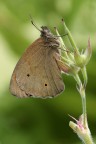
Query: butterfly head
[50,39]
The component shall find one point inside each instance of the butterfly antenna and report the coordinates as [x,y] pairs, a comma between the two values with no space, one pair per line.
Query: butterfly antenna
[34,23]
[35,26]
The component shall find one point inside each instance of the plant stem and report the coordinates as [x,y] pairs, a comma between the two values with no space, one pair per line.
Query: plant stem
[86,137]
[77,78]
[70,37]
[62,44]
[83,96]
[79,60]
[84,73]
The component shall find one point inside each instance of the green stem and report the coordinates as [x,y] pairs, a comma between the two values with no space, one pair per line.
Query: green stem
[62,44]
[77,78]
[70,37]
[81,90]
[83,96]
[84,73]
[81,125]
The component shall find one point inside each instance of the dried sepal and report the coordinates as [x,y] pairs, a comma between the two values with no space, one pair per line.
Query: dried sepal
[68,69]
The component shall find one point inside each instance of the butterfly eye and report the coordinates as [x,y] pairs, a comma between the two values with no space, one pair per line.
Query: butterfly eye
[45,84]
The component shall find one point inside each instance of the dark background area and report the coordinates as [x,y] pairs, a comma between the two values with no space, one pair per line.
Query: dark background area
[38,121]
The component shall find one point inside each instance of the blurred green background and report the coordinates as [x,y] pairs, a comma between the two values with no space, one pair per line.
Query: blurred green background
[37,121]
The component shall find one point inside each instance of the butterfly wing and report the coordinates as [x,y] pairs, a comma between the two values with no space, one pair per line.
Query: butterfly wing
[37,73]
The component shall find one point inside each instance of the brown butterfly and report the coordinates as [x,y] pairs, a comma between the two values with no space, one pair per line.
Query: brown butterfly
[37,73]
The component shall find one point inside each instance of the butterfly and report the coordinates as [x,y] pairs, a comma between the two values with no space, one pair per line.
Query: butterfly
[37,73]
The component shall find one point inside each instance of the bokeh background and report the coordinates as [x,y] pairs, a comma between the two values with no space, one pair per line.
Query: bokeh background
[37,121]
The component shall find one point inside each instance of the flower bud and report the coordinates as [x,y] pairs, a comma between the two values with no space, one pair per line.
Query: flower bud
[82,59]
